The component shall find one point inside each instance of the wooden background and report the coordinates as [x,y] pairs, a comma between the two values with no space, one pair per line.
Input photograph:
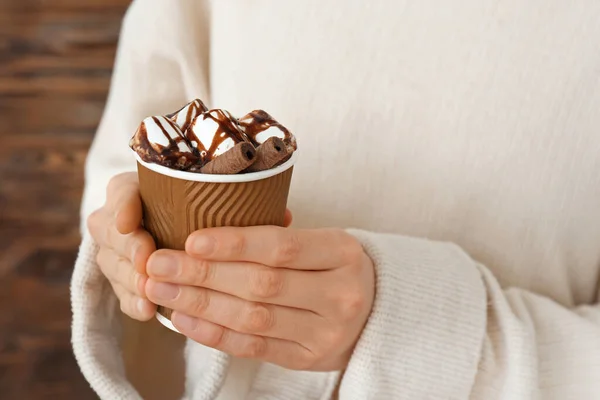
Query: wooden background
[55,64]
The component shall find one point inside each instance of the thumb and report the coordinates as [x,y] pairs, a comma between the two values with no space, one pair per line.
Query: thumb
[128,211]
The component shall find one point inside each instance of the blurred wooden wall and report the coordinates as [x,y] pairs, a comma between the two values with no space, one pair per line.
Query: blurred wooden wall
[55,65]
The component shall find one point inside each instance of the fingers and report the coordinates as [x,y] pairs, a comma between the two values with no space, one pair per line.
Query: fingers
[123,202]
[234,313]
[122,213]
[123,199]
[119,270]
[285,353]
[249,281]
[99,224]
[128,214]
[127,284]
[124,246]
[316,249]
[136,246]
[134,306]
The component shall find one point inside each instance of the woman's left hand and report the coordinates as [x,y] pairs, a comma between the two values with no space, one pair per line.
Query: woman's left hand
[296,298]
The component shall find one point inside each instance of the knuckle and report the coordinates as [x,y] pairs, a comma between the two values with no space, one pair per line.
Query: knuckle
[202,272]
[237,245]
[118,183]
[352,249]
[132,247]
[258,318]
[288,249]
[102,259]
[93,220]
[114,183]
[200,303]
[110,235]
[256,347]
[134,280]
[217,338]
[120,179]
[144,241]
[266,283]
[122,273]
[350,304]
[305,363]
[333,338]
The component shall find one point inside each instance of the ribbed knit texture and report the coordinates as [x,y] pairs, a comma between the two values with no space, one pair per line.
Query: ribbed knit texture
[460,138]
[275,383]
[404,352]
[95,334]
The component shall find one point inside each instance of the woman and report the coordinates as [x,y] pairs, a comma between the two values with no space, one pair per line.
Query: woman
[458,139]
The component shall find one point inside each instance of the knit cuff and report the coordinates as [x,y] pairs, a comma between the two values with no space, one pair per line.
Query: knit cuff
[277,383]
[96,327]
[426,329]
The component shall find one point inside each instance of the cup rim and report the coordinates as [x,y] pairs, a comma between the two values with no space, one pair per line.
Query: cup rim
[234,178]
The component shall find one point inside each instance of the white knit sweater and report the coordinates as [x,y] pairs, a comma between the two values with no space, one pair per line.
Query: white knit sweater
[461,138]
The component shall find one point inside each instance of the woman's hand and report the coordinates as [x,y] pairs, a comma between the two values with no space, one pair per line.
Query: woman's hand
[296,298]
[124,246]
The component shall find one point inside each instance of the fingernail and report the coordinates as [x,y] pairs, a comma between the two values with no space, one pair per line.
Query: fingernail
[164,291]
[184,322]
[203,245]
[141,305]
[163,266]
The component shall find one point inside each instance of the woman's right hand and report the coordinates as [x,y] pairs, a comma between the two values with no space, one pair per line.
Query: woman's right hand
[124,245]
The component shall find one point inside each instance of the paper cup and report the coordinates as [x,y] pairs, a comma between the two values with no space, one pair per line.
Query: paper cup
[177,203]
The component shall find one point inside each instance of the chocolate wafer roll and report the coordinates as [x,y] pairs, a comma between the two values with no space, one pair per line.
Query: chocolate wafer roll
[269,154]
[234,160]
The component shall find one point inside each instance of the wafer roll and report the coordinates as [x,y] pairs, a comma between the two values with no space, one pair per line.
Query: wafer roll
[234,160]
[269,154]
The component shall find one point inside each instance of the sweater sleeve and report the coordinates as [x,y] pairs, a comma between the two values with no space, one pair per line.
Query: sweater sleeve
[161,63]
[443,328]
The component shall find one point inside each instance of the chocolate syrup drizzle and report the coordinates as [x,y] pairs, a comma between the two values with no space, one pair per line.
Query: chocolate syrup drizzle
[173,143]
[228,129]
[260,121]
[196,108]
[170,155]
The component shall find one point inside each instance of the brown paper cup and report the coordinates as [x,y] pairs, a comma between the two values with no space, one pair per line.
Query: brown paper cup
[177,203]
